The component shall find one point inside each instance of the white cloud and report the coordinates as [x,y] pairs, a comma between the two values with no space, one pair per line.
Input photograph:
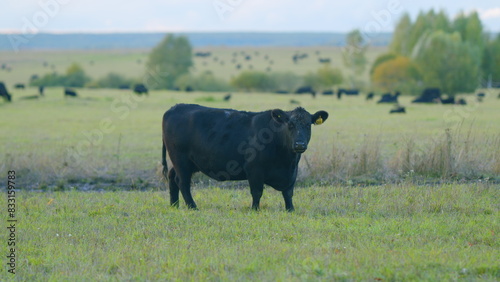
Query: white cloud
[489,13]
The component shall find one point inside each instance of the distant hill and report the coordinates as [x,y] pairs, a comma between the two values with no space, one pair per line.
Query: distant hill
[149,40]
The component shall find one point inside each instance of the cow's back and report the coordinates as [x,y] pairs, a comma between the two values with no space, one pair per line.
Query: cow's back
[206,137]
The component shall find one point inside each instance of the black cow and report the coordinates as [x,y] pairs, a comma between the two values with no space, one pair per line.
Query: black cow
[189,88]
[449,100]
[348,91]
[19,86]
[370,96]
[227,97]
[324,60]
[305,90]
[261,147]
[140,89]
[429,95]
[4,93]
[398,109]
[461,101]
[327,92]
[70,93]
[389,98]
[41,88]
[480,96]
[202,54]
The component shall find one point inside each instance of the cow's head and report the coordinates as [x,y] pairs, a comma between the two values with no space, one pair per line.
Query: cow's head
[296,126]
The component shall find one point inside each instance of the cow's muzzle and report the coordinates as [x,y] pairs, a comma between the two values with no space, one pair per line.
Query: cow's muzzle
[299,147]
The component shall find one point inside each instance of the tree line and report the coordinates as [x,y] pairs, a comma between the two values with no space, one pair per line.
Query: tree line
[455,55]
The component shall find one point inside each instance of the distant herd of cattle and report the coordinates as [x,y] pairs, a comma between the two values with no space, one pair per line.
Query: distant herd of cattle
[429,95]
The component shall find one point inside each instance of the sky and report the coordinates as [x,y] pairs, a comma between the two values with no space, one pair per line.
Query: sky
[100,16]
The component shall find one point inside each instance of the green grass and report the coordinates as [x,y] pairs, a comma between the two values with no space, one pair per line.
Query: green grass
[392,232]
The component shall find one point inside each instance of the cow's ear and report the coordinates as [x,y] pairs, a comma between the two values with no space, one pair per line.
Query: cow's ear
[279,116]
[319,117]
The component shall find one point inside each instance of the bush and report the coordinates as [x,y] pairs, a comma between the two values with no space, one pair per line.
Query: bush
[75,77]
[288,81]
[112,80]
[324,77]
[203,82]
[254,81]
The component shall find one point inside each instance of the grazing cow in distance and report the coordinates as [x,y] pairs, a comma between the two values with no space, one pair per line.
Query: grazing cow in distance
[189,88]
[140,89]
[480,96]
[370,96]
[227,97]
[4,93]
[41,88]
[348,91]
[324,60]
[398,110]
[461,101]
[68,92]
[429,95]
[305,90]
[389,98]
[19,86]
[327,92]
[229,145]
[202,54]
[449,100]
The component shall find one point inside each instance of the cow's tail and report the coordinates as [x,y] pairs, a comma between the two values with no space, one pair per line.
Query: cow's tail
[164,161]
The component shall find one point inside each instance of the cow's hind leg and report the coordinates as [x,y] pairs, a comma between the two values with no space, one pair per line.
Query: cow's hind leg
[173,188]
[183,179]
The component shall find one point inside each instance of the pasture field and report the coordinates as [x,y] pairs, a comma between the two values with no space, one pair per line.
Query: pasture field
[131,63]
[112,138]
[379,196]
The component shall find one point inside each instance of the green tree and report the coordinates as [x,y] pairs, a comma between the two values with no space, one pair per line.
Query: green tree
[398,73]
[470,28]
[491,60]
[171,58]
[400,43]
[75,76]
[354,54]
[447,62]
[381,59]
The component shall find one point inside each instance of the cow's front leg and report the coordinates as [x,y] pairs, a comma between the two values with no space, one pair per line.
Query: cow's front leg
[287,195]
[256,188]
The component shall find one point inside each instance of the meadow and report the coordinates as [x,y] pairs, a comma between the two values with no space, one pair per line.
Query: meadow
[379,196]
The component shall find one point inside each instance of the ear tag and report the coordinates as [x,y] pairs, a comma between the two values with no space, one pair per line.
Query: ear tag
[319,121]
